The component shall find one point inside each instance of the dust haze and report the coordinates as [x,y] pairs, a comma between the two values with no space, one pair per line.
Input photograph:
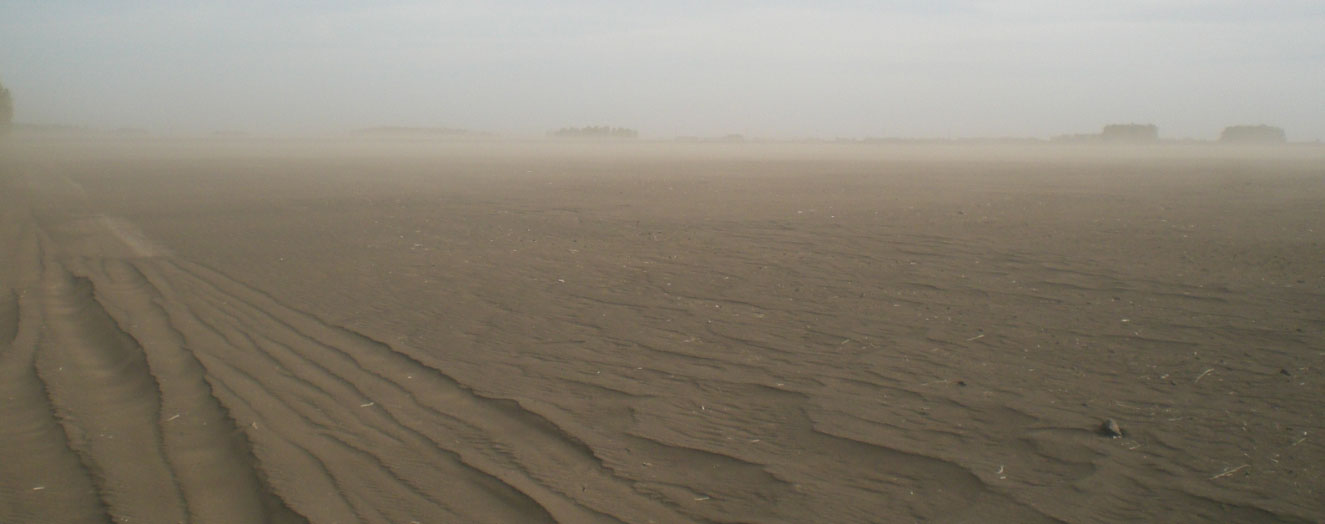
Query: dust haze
[895,262]
[952,69]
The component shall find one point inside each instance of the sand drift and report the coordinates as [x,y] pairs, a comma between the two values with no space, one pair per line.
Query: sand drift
[479,334]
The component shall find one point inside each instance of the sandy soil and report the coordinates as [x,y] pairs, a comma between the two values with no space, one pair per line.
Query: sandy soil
[487,332]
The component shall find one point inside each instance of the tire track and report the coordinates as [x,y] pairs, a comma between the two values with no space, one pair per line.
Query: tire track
[107,400]
[41,478]
[539,457]
[315,402]
[211,460]
[318,476]
[104,363]
[515,458]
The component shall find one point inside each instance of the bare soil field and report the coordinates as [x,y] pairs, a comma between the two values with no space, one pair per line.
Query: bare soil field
[535,332]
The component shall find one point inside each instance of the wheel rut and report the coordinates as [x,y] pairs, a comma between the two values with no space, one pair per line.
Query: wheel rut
[169,392]
[387,400]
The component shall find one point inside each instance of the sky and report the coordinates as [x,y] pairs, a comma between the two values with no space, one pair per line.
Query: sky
[777,69]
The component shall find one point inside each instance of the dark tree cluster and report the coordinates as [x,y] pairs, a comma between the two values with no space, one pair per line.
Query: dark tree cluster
[6,109]
[1261,134]
[595,132]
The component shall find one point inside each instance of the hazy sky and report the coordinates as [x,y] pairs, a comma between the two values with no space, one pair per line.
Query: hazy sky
[781,69]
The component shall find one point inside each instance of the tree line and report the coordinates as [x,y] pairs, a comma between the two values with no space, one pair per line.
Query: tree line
[1149,133]
[595,132]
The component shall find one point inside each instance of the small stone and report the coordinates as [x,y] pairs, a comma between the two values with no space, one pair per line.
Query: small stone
[1285,372]
[1111,429]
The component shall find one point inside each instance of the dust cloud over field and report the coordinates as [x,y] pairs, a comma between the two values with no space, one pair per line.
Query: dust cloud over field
[341,331]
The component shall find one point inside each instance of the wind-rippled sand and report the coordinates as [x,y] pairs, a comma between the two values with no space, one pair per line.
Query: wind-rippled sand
[498,332]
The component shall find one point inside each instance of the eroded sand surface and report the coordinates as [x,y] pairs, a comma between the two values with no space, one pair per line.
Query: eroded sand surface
[429,332]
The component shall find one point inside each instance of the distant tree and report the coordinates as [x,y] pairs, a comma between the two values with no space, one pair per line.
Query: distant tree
[595,132]
[6,109]
[1261,134]
[1130,133]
